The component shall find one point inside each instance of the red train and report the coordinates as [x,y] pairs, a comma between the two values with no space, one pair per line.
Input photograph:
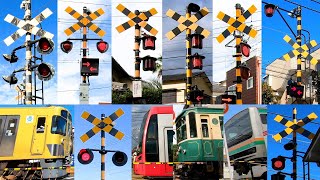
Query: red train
[154,151]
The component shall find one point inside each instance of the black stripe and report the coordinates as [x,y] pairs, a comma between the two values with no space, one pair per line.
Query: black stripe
[126,25]
[176,16]
[299,66]
[137,66]
[137,19]
[226,18]
[306,133]
[199,15]
[103,166]
[247,30]
[148,14]
[246,14]
[189,80]
[126,11]
[90,133]
[283,134]
[72,12]
[199,30]
[90,118]
[176,31]
[15,36]
[148,27]
[299,79]
[226,33]
[96,13]
[187,23]
[40,33]
[295,127]
[113,116]
[291,54]
[238,94]
[15,21]
[113,132]
[239,79]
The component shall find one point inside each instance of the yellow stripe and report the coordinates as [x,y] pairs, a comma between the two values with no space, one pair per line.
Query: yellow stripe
[278,118]
[84,138]
[204,12]
[119,112]
[153,11]
[119,135]
[85,115]
[252,9]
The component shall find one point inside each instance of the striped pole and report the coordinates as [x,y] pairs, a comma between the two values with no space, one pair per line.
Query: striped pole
[298,38]
[137,49]
[188,60]
[84,55]
[103,147]
[28,72]
[294,152]
[238,58]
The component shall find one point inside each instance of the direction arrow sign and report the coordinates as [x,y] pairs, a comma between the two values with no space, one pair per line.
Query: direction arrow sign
[90,67]
[102,125]
[86,64]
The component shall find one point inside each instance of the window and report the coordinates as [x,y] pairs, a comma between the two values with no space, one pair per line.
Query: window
[64,114]
[204,127]
[12,126]
[152,150]
[41,124]
[232,90]
[263,118]
[58,125]
[181,129]
[193,125]
[250,83]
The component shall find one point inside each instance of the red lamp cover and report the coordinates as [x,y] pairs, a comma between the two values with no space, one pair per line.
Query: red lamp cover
[245,49]
[269,10]
[66,46]
[196,40]
[149,42]
[102,46]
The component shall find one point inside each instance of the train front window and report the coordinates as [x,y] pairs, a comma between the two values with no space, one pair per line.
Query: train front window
[181,129]
[193,125]
[59,125]
[41,124]
[152,153]
[238,129]
[64,114]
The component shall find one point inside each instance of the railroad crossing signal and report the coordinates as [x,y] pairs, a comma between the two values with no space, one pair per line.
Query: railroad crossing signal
[140,19]
[105,125]
[84,22]
[28,27]
[300,50]
[187,23]
[237,24]
[228,99]
[291,126]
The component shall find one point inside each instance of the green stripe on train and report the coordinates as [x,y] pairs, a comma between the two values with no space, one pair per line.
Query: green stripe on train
[262,110]
[259,142]
[202,110]
[201,150]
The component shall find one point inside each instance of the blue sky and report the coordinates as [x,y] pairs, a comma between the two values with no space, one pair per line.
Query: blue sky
[274,29]
[7,94]
[69,64]
[275,149]
[123,124]
[174,50]
[234,109]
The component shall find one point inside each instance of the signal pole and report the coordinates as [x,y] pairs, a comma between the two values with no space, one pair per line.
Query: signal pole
[188,59]
[103,148]
[28,72]
[294,151]
[84,85]
[238,56]
[137,39]
[298,38]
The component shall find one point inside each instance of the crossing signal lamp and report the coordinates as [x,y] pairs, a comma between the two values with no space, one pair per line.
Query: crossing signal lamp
[45,71]
[85,156]
[289,146]
[196,95]
[11,58]
[119,158]
[278,163]
[245,71]
[193,7]
[45,45]
[278,176]
[295,90]
[245,49]
[11,79]
[148,42]
[102,46]
[197,61]
[66,46]
[196,41]
[149,63]
[269,9]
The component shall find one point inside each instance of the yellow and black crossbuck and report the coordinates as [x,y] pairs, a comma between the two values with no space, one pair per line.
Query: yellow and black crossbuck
[104,125]
[237,24]
[300,50]
[85,21]
[140,19]
[187,23]
[291,126]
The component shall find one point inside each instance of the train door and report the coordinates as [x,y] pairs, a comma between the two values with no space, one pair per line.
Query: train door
[165,134]
[8,134]
[39,135]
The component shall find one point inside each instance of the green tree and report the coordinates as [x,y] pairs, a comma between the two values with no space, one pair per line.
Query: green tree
[158,68]
[152,92]
[267,94]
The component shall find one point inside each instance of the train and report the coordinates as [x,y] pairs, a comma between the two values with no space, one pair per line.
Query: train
[154,152]
[35,140]
[246,136]
[200,142]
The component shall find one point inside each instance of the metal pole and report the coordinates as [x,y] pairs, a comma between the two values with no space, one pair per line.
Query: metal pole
[298,38]
[294,152]
[28,72]
[84,86]
[188,60]
[103,147]
[238,58]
